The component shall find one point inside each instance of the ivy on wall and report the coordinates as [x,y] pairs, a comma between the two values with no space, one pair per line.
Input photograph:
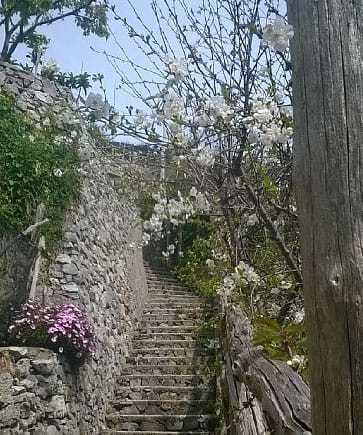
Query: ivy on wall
[36,166]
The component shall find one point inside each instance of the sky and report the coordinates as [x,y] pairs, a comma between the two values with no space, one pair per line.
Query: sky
[74,52]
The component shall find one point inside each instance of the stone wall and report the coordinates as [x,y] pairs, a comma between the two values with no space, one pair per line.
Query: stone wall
[94,268]
[16,259]
[42,101]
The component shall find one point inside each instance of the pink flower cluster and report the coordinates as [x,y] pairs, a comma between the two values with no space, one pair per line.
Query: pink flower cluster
[64,328]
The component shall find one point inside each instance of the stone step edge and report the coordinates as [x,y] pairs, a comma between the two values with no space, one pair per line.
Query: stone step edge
[159,358]
[130,367]
[143,432]
[173,303]
[151,341]
[169,328]
[158,416]
[165,334]
[194,350]
[164,376]
[155,402]
[166,387]
[159,336]
[187,308]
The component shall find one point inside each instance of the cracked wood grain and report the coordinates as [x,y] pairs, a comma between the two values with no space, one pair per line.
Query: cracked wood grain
[274,398]
[327,55]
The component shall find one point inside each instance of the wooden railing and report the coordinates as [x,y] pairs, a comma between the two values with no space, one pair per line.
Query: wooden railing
[264,396]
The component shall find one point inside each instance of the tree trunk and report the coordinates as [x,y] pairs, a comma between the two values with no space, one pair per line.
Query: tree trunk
[327,53]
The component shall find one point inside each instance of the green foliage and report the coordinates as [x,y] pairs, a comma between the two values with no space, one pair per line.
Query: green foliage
[29,160]
[197,248]
[280,341]
[266,181]
[23,19]
[198,227]
[79,82]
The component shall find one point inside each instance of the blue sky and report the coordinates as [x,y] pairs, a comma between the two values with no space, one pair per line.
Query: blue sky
[72,51]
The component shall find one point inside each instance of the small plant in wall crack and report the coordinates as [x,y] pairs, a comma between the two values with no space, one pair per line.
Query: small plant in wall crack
[62,328]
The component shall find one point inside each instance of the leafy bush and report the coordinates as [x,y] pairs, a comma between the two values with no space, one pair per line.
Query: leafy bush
[200,241]
[35,168]
[193,271]
[284,342]
[63,328]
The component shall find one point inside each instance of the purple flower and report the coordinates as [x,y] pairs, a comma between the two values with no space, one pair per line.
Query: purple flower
[65,325]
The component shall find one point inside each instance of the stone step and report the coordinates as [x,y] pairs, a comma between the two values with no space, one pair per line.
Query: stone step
[165,392]
[145,432]
[172,296]
[148,407]
[159,422]
[167,388]
[169,336]
[182,299]
[162,344]
[172,329]
[172,290]
[199,360]
[157,270]
[155,284]
[159,369]
[155,322]
[170,352]
[187,310]
[190,318]
[173,287]
[163,279]
[198,317]
[182,304]
[169,379]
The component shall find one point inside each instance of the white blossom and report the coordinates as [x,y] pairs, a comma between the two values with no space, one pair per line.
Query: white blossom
[203,119]
[285,285]
[299,316]
[178,68]
[252,220]
[98,105]
[205,158]
[210,263]
[142,120]
[218,107]
[58,173]
[146,238]
[297,361]
[253,135]
[173,106]
[247,273]
[202,203]
[170,251]
[261,112]
[278,34]
[50,66]
[193,192]
[171,248]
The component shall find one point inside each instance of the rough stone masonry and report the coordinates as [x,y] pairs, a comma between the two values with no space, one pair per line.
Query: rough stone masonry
[40,393]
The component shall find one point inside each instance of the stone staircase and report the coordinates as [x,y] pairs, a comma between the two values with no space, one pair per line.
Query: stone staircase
[168,386]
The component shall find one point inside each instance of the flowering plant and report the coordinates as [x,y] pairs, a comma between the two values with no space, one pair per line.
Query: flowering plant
[63,328]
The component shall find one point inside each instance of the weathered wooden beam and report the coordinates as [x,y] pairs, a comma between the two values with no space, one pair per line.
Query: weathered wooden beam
[265,396]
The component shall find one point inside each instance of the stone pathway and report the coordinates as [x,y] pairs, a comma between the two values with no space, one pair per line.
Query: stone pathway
[168,387]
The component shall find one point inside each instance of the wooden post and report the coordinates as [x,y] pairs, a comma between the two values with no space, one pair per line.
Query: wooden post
[327,55]
[36,270]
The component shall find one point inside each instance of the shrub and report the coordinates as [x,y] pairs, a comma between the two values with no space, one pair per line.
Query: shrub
[63,328]
[35,167]
[282,342]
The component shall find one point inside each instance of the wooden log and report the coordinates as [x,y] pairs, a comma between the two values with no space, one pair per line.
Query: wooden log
[266,396]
